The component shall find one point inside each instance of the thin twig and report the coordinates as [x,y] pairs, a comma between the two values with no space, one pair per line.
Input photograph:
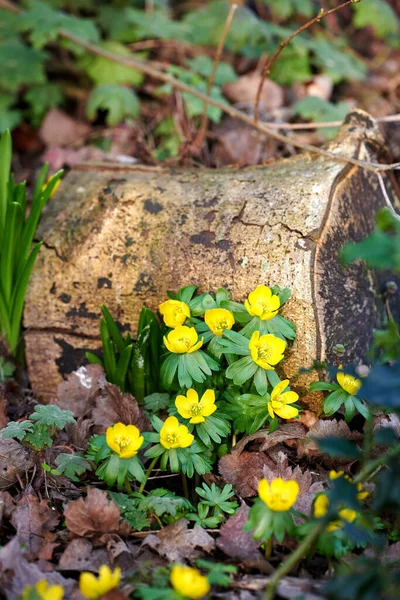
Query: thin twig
[146,67]
[386,197]
[198,142]
[282,45]
[319,125]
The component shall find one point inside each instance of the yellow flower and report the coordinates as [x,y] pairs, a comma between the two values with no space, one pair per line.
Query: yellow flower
[280,495]
[189,406]
[335,474]
[174,312]
[125,440]
[266,350]
[94,587]
[183,339]
[57,185]
[279,400]
[218,319]
[348,383]
[174,435]
[42,590]
[189,582]
[262,303]
[321,506]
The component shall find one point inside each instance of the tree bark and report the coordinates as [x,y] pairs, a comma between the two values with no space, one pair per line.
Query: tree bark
[124,236]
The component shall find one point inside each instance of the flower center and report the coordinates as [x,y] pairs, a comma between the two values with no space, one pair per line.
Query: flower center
[264,352]
[122,442]
[277,499]
[196,409]
[184,341]
[172,438]
[221,324]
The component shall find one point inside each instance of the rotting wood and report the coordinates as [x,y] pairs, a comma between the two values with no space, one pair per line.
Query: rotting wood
[122,237]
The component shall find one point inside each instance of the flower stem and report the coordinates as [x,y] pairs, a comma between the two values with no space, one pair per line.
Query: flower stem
[148,472]
[128,486]
[185,486]
[268,548]
[291,561]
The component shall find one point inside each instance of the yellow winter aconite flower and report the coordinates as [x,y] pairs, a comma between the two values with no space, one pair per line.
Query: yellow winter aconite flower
[44,591]
[183,340]
[189,582]
[91,586]
[348,383]
[190,407]
[321,506]
[174,312]
[262,303]
[218,319]
[279,495]
[279,401]
[125,440]
[174,435]
[266,350]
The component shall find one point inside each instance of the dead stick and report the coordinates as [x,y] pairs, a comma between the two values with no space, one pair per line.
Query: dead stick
[146,67]
[198,142]
[282,45]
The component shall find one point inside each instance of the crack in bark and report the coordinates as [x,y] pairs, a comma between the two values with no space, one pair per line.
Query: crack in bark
[62,331]
[54,249]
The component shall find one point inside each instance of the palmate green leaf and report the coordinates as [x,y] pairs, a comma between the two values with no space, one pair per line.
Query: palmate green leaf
[17,431]
[20,65]
[72,465]
[162,502]
[117,101]
[9,117]
[127,505]
[213,428]
[336,61]
[41,98]
[39,438]
[104,71]
[52,416]
[241,370]
[218,499]
[334,401]
[292,65]
[217,573]
[156,402]
[203,65]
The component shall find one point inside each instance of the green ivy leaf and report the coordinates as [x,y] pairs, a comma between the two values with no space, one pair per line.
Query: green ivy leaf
[119,102]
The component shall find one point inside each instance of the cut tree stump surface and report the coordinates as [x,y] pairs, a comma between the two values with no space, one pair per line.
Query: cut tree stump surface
[123,236]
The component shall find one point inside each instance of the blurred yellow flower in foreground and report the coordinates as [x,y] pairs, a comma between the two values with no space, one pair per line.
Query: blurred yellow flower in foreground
[189,582]
[44,591]
[91,586]
[279,495]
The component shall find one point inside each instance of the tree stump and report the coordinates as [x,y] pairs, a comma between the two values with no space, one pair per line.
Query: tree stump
[122,236]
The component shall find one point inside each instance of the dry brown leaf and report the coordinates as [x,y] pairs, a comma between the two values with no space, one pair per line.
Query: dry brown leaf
[244,90]
[308,488]
[243,470]
[59,129]
[7,504]
[34,521]
[288,431]
[289,588]
[80,555]
[79,391]
[177,543]
[16,572]
[240,545]
[113,406]
[15,460]
[391,420]
[324,428]
[93,516]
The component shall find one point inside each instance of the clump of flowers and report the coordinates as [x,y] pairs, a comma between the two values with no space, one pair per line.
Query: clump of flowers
[189,582]
[93,587]
[321,507]
[42,590]
[343,393]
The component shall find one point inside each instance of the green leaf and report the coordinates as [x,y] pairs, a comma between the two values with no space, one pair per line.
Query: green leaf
[336,60]
[52,416]
[377,14]
[16,430]
[119,102]
[334,401]
[292,65]
[104,71]
[338,447]
[72,465]
[203,65]
[39,438]
[162,502]
[241,370]
[156,402]
[20,65]
[318,110]
[9,117]
[41,98]
[316,386]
